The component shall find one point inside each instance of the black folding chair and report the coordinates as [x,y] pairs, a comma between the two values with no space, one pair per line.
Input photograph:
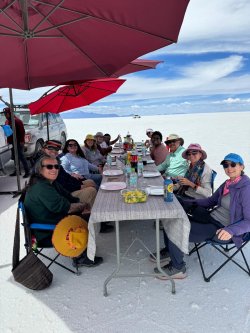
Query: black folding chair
[38,249]
[228,250]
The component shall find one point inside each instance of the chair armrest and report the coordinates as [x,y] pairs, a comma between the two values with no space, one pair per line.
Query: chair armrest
[40,226]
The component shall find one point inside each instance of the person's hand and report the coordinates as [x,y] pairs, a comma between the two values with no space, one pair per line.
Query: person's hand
[223,234]
[75,175]
[186,182]
[76,207]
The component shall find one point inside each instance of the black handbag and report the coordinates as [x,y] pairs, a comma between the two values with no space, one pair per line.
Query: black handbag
[31,272]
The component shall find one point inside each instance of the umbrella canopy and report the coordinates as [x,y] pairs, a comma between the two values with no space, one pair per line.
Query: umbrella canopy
[137,65]
[74,96]
[49,42]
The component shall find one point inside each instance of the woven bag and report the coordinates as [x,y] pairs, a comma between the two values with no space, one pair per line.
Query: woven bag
[31,272]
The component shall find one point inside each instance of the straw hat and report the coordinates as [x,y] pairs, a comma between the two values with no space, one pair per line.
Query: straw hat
[70,236]
[90,137]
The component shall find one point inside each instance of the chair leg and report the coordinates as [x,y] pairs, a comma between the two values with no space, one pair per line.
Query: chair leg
[53,261]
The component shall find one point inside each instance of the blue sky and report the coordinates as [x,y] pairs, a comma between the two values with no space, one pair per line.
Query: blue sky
[208,70]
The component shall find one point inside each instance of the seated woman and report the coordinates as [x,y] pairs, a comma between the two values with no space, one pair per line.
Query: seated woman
[75,163]
[47,202]
[228,219]
[91,153]
[158,151]
[196,182]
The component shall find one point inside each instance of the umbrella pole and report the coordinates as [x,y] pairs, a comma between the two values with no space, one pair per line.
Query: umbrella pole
[15,141]
[47,121]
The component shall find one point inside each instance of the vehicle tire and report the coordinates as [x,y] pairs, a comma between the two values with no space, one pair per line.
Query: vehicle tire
[63,139]
[39,145]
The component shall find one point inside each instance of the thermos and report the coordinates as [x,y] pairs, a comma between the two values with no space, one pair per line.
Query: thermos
[168,190]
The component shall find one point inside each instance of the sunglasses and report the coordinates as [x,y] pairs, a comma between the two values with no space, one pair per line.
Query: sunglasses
[189,153]
[72,145]
[170,141]
[227,165]
[51,166]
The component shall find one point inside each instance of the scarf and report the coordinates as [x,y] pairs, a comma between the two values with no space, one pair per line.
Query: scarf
[193,174]
[228,183]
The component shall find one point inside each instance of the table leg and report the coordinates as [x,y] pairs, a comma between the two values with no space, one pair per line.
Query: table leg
[118,259]
[157,231]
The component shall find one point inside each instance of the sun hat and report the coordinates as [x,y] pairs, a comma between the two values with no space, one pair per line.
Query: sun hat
[52,144]
[90,137]
[174,137]
[70,236]
[99,134]
[149,130]
[233,158]
[194,146]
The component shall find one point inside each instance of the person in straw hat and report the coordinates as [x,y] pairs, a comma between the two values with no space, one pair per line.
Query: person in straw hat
[47,202]
[92,154]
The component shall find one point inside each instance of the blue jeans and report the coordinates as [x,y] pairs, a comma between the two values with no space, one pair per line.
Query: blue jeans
[203,227]
[97,178]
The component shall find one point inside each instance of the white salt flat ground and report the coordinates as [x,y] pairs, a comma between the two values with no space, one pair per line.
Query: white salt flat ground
[76,303]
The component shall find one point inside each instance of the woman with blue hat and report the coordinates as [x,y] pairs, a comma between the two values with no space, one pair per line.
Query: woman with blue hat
[223,216]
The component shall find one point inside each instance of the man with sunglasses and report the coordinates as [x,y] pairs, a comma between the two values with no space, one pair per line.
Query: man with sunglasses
[83,189]
[174,165]
[222,217]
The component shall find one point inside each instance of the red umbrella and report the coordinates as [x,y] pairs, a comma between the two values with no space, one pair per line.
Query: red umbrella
[47,42]
[74,96]
[137,65]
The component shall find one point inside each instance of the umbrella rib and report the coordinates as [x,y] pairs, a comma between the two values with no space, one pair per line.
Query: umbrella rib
[106,20]
[9,17]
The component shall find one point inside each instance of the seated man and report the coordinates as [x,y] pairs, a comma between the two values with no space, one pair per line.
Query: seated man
[109,142]
[47,202]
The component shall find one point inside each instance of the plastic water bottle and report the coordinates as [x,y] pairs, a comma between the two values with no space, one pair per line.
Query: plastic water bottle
[109,160]
[168,190]
[140,168]
[133,180]
[128,173]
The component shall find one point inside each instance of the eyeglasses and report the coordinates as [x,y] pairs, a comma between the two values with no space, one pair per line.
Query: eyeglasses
[227,165]
[51,166]
[170,141]
[189,153]
[72,145]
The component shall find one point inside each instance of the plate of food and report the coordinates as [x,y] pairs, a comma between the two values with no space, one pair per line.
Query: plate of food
[113,186]
[149,174]
[114,172]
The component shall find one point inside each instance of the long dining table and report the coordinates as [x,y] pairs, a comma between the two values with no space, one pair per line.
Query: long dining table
[110,206]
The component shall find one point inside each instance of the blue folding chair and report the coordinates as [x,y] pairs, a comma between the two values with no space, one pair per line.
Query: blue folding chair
[38,249]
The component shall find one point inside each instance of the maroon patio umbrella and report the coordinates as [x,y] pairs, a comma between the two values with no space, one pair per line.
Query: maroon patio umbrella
[137,65]
[47,42]
[74,96]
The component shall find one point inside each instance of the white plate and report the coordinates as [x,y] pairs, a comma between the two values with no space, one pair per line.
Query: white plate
[150,161]
[155,190]
[149,174]
[113,186]
[113,163]
[115,172]
[117,151]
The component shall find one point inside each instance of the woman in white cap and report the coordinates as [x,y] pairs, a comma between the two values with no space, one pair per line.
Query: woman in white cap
[228,219]
[148,142]
[196,182]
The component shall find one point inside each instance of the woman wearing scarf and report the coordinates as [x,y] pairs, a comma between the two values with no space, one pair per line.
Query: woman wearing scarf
[228,217]
[196,183]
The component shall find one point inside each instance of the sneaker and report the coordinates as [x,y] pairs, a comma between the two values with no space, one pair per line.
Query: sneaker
[171,271]
[164,256]
[86,262]
[105,228]
[26,175]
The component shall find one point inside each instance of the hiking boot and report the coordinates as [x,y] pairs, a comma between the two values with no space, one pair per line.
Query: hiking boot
[171,271]
[164,256]
[105,228]
[86,262]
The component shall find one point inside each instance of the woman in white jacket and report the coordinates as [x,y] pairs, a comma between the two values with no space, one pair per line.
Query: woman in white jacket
[196,183]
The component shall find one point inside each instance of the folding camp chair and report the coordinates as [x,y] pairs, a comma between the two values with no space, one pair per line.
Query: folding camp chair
[214,174]
[224,248]
[39,248]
